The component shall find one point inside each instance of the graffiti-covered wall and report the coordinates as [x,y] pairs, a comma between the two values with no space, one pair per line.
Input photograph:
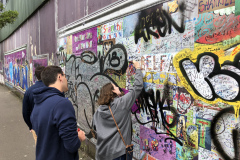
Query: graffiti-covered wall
[16,69]
[189,55]
[38,35]
[1,73]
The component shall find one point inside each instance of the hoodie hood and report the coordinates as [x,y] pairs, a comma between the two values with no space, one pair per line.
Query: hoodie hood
[41,94]
[104,110]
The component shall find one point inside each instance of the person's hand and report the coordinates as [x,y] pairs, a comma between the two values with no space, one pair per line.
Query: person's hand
[81,135]
[136,64]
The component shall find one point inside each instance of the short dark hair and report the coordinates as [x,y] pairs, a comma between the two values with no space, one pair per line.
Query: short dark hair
[38,72]
[50,73]
[106,94]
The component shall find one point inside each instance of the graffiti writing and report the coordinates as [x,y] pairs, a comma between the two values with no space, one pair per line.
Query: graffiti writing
[160,19]
[215,138]
[83,89]
[206,5]
[154,107]
[209,80]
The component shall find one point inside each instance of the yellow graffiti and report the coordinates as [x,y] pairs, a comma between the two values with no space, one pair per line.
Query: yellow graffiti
[69,45]
[31,73]
[173,6]
[192,137]
[156,78]
[120,80]
[162,76]
[150,79]
[236,109]
[217,49]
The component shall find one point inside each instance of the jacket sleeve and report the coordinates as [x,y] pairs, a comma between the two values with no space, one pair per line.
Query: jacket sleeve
[128,99]
[26,110]
[65,120]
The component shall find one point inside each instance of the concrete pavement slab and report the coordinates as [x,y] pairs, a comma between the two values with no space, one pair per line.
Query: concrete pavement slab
[16,141]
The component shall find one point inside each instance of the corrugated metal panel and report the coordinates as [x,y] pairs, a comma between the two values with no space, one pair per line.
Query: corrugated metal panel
[1,51]
[11,42]
[94,5]
[24,34]
[47,29]
[25,8]
[18,39]
[77,9]
[38,32]
[70,12]
[32,35]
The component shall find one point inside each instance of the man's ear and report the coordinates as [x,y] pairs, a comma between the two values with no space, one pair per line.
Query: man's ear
[59,77]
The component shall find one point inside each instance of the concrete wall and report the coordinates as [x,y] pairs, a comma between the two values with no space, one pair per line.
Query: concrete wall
[189,57]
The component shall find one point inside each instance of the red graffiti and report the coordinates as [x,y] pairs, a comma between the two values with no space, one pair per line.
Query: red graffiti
[185,99]
[220,28]
[203,123]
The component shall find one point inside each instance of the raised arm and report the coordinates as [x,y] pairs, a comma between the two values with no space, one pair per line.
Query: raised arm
[128,99]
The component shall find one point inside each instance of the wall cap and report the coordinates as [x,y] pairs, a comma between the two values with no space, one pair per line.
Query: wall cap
[107,14]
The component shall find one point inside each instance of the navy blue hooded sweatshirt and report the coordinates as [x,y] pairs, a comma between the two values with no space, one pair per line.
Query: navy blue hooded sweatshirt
[53,119]
[28,103]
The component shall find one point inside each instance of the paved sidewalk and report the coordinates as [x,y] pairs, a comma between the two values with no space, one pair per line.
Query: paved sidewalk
[83,155]
[16,142]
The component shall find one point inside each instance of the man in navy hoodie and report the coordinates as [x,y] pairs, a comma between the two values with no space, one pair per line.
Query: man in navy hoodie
[53,119]
[28,102]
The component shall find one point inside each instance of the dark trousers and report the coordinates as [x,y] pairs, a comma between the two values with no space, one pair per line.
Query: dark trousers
[123,157]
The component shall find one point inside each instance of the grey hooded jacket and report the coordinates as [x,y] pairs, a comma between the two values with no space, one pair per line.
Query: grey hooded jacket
[109,143]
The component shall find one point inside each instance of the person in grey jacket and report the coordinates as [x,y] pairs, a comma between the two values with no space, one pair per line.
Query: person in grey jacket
[109,143]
